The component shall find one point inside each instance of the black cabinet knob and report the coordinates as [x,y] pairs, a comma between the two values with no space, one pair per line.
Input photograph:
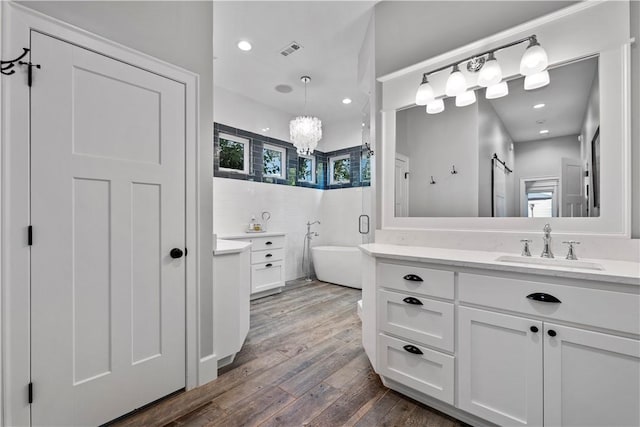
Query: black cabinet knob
[269,265]
[551,333]
[268,243]
[534,329]
[176,253]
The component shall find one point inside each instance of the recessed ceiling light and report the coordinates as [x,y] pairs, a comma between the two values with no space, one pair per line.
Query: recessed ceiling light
[362,124]
[539,106]
[244,45]
[265,129]
[346,101]
[544,131]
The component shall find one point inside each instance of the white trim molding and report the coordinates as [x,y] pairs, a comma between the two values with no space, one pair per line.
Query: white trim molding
[17,23]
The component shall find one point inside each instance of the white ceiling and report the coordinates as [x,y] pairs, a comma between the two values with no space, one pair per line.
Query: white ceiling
[331,34]
[565,99]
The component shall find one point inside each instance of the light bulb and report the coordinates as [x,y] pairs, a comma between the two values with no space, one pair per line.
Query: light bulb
[537,80]
[466,98]
[435,106]
[491,72]
[497,91]
[456,84]
[424,95]
[534,59]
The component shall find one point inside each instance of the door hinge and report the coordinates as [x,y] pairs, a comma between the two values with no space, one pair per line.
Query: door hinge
[185,251]
[30,66]
[30,392]
[30,235]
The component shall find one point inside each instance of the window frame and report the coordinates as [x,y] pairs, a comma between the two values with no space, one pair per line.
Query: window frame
[332,161]
[283,168]
[313,168]
[246,143]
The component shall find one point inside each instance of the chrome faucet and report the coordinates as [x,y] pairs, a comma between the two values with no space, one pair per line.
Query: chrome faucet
[546,249]
[525,247]
[571,254]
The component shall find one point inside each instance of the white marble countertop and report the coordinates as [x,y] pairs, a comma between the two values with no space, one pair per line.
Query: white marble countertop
[225,247]
[623,272]
[251,235]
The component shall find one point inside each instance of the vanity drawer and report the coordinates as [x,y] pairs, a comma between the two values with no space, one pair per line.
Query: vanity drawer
[430,372]
[600,308]
[266,275]
[268,255]
[261,243]
[417,318]
[437,283]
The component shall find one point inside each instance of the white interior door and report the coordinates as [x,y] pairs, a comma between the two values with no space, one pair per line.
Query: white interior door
[572,198]
[107,207]
[402,186]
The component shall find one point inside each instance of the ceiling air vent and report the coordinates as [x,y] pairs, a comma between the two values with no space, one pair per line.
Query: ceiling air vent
[290,48]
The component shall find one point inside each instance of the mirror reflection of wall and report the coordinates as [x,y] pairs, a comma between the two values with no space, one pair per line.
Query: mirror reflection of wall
[545,143]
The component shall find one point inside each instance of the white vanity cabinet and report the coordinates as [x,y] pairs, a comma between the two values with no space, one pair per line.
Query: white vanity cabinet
[485,343]
[267,262]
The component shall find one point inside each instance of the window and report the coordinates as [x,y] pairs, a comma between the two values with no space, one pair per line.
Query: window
[340,169]
[307,169]
[234,153]
[365,167]
[274,161]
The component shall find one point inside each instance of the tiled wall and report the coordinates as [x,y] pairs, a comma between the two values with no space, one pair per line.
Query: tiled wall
[256,167]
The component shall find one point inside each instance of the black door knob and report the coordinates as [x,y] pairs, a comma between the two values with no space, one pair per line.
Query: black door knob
[534,329]
[176,253]
[551,333]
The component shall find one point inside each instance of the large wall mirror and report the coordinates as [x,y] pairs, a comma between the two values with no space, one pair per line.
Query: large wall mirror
[533,153]
[558,153]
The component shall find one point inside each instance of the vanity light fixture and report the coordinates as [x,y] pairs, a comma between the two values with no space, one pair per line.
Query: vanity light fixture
[456,83]
[491,73]
[497,91]
[466,98]
[244,45]
[533,66]
[436,106]
[538,106]
[424,95]
[537,80]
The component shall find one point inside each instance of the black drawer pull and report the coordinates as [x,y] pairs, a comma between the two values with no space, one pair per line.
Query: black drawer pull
[269,265]
[534,329]
[412,349]
[412,300]
[413,278]
[268,243]
[268,255]
[542,297]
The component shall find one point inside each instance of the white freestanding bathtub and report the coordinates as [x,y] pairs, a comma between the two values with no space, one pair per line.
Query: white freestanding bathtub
[338,264]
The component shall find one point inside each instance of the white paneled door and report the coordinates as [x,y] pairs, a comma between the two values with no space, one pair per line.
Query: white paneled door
[107,207]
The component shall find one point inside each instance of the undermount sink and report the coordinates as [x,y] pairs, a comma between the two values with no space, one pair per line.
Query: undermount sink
[550,262]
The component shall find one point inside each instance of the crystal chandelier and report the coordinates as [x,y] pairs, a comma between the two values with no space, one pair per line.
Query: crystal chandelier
[305,131]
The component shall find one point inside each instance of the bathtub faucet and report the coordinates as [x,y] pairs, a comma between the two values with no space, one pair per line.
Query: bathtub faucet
[311,234]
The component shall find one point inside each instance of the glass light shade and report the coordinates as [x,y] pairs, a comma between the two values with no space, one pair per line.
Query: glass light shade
[456,83]
[466,98]
[490,74]
[305,132]
[497,91]
[424,95]
[534,60]
[537,80]
[436,106]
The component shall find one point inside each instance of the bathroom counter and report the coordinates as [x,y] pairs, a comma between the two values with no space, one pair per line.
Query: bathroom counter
[246,235]
[622,272]
[224,247]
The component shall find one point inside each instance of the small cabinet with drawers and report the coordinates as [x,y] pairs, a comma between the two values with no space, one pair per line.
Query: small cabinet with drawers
[267,262]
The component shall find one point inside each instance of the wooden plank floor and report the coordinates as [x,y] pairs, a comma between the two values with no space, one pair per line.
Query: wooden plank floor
[302,365]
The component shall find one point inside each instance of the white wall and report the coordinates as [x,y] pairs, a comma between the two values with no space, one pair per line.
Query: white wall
[493,137]
[340,134]
[434,143]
